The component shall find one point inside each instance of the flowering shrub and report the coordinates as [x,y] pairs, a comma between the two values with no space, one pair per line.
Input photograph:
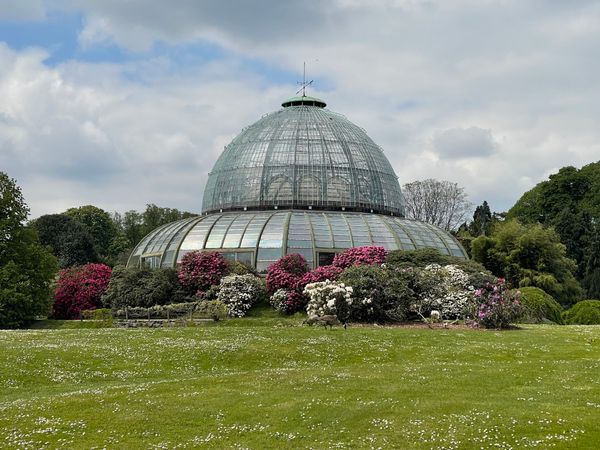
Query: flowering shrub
[286,273]
[328,297]
[201,270]
[359,256]
[497,306]
[239,293]
[79,288]
[446,289]
[380,294]
[321,273]
[288,301]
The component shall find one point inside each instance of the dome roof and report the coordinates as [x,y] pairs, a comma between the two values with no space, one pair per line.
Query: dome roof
[303,157]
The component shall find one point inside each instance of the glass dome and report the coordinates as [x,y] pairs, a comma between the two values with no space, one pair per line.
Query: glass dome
[303,156]
[300,180]
[259,238]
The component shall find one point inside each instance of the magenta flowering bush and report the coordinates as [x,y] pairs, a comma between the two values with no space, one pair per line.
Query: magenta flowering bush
[360,256]
[79,288]
[286,272]
[199,271]
[321,273]
[497,306]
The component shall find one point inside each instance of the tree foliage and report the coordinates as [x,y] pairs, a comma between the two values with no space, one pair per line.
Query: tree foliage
[99,225]
[569,201]
[441,203]
[26,268]
[529,255]
[69,240]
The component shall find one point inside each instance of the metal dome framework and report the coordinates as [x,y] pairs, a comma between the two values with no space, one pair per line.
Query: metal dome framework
[303,157]
[261,238]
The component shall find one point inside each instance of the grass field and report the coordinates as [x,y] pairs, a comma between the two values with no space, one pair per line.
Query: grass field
[269,383]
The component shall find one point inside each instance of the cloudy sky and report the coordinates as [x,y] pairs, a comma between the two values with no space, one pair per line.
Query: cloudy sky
[123,103]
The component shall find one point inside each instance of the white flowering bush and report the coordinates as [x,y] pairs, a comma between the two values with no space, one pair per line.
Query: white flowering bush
[328,298]
[240,292]
[446,289]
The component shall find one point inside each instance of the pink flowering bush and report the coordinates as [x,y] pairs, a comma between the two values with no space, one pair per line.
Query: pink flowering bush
[286,273]
[199,271]
[497,306]
[360,256]
[79,288]
[321,273]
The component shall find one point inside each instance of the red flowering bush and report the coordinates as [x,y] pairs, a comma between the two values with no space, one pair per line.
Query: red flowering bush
[286,273]
[199,271]
[79,288]
[321,273]
[360,256]
[497,306]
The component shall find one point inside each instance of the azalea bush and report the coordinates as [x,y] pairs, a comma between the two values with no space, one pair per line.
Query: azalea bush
[358,256]
[240,292]
[497,306]
[80,288]
[199,271]
[328,298]
[286,272]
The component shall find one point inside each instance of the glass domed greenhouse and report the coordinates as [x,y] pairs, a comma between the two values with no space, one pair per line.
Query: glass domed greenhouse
[305,180]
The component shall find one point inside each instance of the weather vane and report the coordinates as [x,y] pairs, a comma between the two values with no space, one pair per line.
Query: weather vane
[304,83]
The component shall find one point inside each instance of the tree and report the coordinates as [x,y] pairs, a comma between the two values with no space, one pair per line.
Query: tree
[569,201]
[441,203]
[70,241]
[591,280]
[26,268]
[99,225]
[482,220]
[529,255]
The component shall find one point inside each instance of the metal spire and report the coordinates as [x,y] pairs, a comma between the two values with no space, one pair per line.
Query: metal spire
[304,83]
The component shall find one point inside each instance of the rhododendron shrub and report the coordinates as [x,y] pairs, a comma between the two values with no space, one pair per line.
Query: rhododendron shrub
[446,289]
[321,273]
[80,288]
[360,256]
[286,273]
[199,271]
[328,298]
[240,292]
[288,301]
[497,306]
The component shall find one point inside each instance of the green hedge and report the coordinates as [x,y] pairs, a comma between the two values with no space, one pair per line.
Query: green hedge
[585,312]
[539,307]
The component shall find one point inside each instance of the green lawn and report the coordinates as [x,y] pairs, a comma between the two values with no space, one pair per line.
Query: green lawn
[270,383]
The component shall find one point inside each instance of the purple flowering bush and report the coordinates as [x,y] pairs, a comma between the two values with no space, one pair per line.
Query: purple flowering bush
[497,306]
[360,256]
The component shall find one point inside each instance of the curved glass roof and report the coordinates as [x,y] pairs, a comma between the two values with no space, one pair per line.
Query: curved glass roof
[260,238]
[299,157]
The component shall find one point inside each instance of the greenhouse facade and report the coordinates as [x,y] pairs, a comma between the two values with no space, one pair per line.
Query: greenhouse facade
[301,180]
